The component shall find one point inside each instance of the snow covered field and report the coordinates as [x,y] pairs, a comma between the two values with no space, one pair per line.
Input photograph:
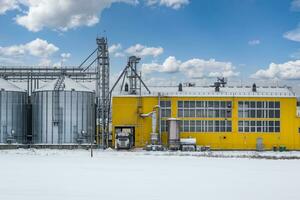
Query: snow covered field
[72,174]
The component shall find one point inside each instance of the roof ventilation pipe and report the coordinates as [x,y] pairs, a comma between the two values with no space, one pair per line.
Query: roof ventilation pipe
[180,87]
[126,89]
[254,88]
[154,134]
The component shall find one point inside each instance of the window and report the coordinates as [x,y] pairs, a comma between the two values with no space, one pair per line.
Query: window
[206,126]
[259,109]
[254,126]
[204,109]
[165,112]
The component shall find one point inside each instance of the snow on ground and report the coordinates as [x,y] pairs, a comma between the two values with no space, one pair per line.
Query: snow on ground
[111,175]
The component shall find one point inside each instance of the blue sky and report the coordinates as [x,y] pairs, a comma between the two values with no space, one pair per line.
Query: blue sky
[178,40]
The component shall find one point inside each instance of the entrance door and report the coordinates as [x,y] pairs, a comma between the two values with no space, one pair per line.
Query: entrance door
[259,144]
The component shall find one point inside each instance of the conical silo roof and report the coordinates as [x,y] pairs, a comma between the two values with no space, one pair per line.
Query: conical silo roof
[8,86]
[68,85]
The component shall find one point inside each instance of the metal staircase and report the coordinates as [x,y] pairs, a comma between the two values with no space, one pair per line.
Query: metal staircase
[57,115]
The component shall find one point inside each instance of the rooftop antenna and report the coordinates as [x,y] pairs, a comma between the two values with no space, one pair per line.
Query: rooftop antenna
[221,82]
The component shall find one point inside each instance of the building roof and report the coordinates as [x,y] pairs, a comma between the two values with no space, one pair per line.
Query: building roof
[68,85]
[8,86]
[228,91]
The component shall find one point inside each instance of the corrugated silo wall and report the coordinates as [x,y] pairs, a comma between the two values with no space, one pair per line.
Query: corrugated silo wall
[76,117]
[13,120]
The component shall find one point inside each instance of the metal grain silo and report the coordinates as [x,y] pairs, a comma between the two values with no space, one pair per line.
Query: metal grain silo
[13,123]
[63,113]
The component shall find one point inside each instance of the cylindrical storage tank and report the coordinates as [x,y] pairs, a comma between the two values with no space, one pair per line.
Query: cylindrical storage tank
[173,133]
[13,105]
[63,113]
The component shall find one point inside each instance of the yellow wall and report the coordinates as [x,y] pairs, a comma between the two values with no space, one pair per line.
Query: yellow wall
[126,110]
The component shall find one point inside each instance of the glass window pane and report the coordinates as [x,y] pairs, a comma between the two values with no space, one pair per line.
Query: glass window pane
[192,104]
[277,113]
[271,114]
[252,104]
[180,104]
[186,104]
[259,104]
[180,113]
[192,113]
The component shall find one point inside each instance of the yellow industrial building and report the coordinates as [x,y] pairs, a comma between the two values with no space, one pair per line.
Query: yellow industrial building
[236,118]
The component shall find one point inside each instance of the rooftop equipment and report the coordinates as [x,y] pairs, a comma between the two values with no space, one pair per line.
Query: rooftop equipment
[221,82]
[254,88]
[13,105]
[180,87]
[63,112]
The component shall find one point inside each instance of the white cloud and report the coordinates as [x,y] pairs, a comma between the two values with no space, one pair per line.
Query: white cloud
[174,4]
[63,15]
[139,50]
[115,50]
[286,71]
[254,42]
[193,68]
[65,57]
[170,65]
[143,51]
[38,48]
[293,35]
[6,5]
[45,62]
[295,5]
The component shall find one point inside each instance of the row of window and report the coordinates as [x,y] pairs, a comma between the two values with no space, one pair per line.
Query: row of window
[223,109]
[204,113]
[204,104]
[223,104]
[259,113]
[259,126]
[259,104]
[225,126]
[201,126]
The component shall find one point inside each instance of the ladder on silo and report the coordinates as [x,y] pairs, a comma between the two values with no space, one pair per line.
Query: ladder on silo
[56,117]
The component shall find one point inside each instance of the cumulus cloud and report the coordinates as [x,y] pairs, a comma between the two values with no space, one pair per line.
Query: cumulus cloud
[254,42]
[115,50]
[193,68]
[139,50]
[6,5]
[63,15]
[287,71]
[38,48]
[143,51]
[174,4]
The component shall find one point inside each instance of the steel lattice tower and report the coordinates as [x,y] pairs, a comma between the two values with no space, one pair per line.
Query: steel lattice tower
[102,92]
